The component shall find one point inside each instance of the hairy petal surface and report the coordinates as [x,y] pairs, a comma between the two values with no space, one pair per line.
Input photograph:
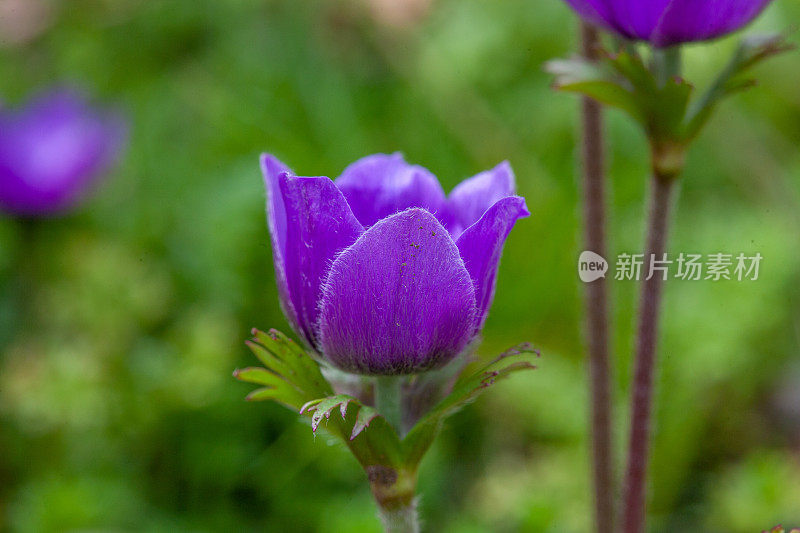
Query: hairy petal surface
[399,300]
[379,185]
[481,246]
[52,150]
[319,225]
[470,199]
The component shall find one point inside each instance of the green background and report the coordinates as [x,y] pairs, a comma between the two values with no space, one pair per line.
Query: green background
[120,324]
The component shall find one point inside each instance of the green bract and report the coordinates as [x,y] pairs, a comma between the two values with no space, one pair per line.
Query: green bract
[664,106]
[290,376]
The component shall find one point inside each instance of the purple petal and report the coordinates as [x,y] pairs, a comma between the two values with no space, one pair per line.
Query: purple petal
[690,20]
[669,22]
[633,19]
[481,246]
[52,150]
[470,199]
[637,18]
[399,300]
[379,185]
[319,225]
[597,12]
[272,168]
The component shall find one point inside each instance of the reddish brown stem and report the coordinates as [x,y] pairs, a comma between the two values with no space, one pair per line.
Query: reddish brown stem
[596,304]
[645,364]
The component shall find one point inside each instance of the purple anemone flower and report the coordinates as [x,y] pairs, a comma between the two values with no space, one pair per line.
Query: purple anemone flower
[52,151]
[668,22]
[379,271]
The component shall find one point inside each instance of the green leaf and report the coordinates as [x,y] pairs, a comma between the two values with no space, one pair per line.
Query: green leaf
[590,79]
[667,109]
[752,50]
[284,357]
[755,48]
[471,385]
[323,407]
[663,107]
[292,377]
[360,427]
[267,393]
[632,68]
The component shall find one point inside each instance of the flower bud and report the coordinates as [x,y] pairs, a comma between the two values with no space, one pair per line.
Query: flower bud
[379,271]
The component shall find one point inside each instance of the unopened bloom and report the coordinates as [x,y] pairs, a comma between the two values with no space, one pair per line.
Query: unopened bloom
[52,151]
[669,22]
[379,271]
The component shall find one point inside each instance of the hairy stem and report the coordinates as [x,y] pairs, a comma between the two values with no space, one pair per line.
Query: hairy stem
[596,299]
[394,493]
[388,400]
[645,364]
[401,519]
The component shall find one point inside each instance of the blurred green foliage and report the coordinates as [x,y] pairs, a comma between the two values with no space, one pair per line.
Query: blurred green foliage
[120,325]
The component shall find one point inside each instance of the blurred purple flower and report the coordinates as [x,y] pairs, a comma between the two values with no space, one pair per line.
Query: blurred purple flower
[52,151]
[669,22]
[379,271]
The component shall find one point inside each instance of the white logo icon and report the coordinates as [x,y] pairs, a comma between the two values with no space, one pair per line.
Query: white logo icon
[591,266]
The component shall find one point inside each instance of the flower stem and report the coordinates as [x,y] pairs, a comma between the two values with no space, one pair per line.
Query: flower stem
[394,491]
[400,520]
[645,364]
[388,400]
[666,63]
[667,166]
[596,302]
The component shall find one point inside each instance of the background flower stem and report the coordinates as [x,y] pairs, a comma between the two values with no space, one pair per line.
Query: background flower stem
[596,296]
[388,401]
[645,364]
[666,64]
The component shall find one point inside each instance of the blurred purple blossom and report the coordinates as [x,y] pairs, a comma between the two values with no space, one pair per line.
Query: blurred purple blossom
[668,22]
[379,271]
[53,150]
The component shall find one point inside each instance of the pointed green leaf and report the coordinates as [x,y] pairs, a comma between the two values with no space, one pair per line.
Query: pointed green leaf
[378,445]
[284,357]
[259,376]
[751,51]
[365,415]
[323,409]
[467,388]
[293,378]
[668,107]
[633,69]
[663,107]
[286,397]
[591,79]
[280,389]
